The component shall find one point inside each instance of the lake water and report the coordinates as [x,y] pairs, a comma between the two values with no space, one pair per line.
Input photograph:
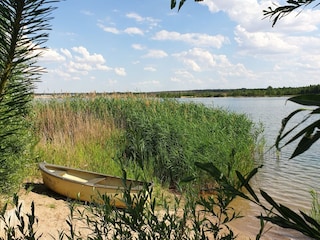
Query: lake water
[287,181]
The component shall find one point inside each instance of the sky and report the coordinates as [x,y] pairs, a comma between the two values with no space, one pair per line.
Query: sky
[144,46]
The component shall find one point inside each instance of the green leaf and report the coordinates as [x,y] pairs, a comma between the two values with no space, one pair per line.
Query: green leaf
[311,220]
[253,173]
[290,214]
[173,4]
[212,170]
[181,4]
[280,137]
[188,179]
[247,186]
[305,143]
[270,201]
[306,100]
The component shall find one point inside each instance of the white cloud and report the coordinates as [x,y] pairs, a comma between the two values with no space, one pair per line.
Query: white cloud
[76,63]
[183,73]
[78,67]
[200,60]
[66,52]
[263,42]
[137,47]
[152,22]
[120,71]
[196,39]
[51,55]
[87,57]
[129,30]
[133,31]
[153,53]
[196,59]
[247,13]
[135,16]
[109,29]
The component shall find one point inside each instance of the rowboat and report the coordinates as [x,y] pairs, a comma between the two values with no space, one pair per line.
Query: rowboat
[88,186]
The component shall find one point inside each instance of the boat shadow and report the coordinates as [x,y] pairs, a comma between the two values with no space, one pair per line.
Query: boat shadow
[41,189]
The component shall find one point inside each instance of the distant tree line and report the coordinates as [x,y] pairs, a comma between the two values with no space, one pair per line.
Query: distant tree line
[242,92]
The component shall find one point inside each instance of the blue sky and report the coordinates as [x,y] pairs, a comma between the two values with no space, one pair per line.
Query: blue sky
[143,45]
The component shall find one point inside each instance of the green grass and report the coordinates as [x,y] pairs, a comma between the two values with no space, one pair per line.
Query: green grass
[152,138]
[315,209]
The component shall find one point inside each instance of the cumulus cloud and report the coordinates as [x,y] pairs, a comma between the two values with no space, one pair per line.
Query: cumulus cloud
[152,22]
[200,60]
[129,30]
[77,63]
[66,52]
[85,56]
[51,55]
[197,59]
[154,53]
[109,29]
[196,39]
[137,46]
[262,42]
[120,71]
[133,31]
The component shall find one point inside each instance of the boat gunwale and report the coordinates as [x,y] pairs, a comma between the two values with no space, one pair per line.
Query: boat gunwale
[43,168]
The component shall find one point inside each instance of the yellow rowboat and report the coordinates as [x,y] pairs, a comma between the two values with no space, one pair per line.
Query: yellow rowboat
[87,186]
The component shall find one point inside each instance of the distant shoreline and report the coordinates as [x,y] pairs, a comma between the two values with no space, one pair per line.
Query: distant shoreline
[241,92]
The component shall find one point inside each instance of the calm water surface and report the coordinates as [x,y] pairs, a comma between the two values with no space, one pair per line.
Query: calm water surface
[287,181]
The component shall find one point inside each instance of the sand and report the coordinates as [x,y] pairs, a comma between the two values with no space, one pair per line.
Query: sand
[52,211]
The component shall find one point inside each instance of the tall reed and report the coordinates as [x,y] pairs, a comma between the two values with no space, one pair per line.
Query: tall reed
[71,133]
[151,137]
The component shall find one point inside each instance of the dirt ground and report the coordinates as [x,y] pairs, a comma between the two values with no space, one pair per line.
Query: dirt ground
[52,211]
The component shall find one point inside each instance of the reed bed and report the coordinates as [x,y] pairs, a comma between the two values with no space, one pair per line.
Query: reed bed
[152,138]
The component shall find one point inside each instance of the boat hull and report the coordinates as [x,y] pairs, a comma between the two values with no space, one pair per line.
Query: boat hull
[87,186]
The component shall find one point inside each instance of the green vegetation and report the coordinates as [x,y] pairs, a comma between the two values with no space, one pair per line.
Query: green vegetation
[149,137]
[315,209]
[23,26]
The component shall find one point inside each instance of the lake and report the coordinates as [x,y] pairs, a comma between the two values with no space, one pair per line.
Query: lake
[287,181]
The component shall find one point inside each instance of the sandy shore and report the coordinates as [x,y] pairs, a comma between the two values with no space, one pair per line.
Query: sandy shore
[52,212]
